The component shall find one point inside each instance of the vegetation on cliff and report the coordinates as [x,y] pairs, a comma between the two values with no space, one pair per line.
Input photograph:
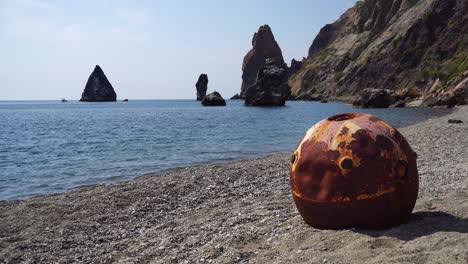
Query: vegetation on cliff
[388,44]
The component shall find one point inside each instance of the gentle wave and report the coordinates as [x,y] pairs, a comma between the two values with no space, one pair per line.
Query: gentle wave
[48,146]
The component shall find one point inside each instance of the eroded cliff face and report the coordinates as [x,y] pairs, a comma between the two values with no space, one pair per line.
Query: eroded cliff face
[387,44]
[264,46]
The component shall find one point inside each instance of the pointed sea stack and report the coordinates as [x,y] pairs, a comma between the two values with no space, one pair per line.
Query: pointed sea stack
[98,88]
[264,46]
[202,86]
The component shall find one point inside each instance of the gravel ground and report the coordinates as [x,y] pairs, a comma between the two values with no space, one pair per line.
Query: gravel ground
[242,212]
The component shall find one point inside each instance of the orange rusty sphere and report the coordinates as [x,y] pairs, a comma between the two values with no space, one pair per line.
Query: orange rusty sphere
[354,170]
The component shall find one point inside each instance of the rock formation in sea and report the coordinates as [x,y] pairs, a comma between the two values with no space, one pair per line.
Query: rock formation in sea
[236,97]
[264,46]
[389,44]
[202,86]
[270,88]
[98,88]
[213,99]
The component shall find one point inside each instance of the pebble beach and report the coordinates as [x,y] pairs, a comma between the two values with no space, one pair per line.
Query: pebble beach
[242,212]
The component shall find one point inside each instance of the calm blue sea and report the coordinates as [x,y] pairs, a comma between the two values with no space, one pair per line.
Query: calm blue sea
[50,146]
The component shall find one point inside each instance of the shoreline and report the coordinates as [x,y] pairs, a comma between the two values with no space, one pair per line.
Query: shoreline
[239,211]
[124,178]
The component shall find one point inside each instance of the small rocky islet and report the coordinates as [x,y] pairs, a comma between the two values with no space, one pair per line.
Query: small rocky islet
[264,72]
[213,99]
[264,47]
[98,88]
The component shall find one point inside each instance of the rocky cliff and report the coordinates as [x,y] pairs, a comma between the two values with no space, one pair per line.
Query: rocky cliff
[264,46]
[388,44]
[98,88]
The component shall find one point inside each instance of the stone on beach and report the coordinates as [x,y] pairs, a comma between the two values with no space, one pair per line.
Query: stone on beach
[455,121]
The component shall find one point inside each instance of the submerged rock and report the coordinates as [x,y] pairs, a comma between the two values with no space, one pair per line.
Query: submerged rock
[264,46]
[271,87]
[213,99]
[202,86]
[98,88]
[236,97]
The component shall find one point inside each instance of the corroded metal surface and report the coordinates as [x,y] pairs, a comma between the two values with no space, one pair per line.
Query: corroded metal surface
[354,170]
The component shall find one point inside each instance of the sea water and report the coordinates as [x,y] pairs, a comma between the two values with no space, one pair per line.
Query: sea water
[50,146]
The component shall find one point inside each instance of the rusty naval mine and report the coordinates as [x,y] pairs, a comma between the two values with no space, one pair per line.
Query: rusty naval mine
[354,170]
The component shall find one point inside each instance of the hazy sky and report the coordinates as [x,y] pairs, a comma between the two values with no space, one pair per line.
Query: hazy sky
[147,49]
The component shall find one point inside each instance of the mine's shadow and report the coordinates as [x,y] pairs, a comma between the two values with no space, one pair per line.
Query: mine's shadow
[422,224]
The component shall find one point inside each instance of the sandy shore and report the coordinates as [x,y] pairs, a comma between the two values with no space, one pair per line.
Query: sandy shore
[243,212]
